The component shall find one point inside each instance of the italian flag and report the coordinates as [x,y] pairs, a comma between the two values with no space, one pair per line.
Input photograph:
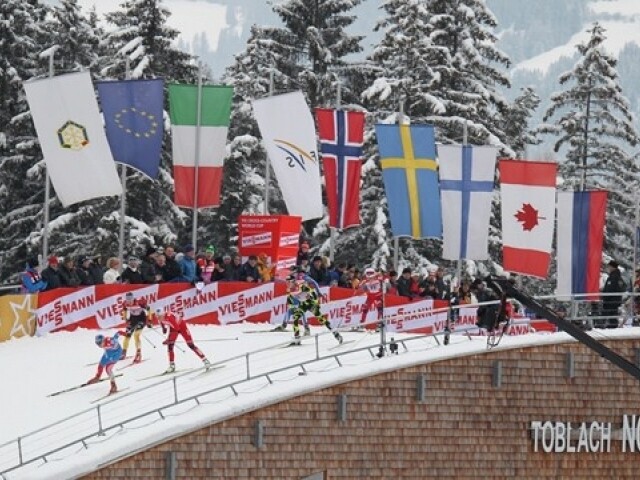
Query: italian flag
[214,123]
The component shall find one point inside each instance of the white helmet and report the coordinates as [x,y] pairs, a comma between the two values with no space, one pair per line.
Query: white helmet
[369,272]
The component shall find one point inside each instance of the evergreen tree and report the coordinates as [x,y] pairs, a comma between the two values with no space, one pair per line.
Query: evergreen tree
[21,192]
[594,123]
[517,117]
[75,36]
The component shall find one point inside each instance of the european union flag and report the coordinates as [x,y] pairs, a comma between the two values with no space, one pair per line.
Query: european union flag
[410,174]
[133,117]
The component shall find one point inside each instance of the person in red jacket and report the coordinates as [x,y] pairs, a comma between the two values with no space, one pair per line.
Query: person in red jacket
[177,326]
[372,286]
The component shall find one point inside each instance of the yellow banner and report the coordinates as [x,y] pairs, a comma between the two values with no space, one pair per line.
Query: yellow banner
[17,316]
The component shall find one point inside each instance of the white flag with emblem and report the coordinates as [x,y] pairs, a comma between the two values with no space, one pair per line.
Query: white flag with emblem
[71,134]
[289,136]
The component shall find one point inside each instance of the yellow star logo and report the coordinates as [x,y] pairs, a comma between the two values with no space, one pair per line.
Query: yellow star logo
[17,312]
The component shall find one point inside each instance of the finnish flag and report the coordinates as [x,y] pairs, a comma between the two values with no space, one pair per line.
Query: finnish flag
[466,187]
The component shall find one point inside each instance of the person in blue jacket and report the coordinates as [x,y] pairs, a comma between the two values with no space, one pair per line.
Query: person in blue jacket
[32,282]
[188,265]
[111,355]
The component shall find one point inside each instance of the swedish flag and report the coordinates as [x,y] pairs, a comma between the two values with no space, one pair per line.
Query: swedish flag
[410,174]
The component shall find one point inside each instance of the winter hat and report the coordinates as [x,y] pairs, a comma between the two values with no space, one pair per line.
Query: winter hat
[82,259]
[188,248]
[133,258]
[317,258]
[210,249]
[150,251]
[406,270]
[33,262]
[53,260]
[613,264]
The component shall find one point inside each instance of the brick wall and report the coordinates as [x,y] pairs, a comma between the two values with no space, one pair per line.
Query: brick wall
[465,428]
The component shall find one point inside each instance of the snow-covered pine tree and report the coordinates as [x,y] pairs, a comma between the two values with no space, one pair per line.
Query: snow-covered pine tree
[21,194]
[75,36]
[594,124]
[516,122]
[439,59]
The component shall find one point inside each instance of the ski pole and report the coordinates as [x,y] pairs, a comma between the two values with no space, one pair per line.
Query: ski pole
[176,346]
[218,339]
[149,342]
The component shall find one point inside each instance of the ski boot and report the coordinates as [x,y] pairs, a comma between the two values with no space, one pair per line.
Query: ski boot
[307,331]
[207,363]
[171,369]
[114,388]
[338,337]
[138,357]
[280,328]
[296,341]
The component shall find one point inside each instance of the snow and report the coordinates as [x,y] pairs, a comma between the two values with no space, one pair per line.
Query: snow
[618,34]
[42,365]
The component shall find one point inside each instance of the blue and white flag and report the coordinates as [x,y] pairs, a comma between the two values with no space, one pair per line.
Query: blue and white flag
[133,118]
[466,187]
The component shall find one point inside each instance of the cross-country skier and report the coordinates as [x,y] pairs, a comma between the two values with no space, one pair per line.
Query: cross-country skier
[372,286]
[305,297]
[292,304]
[177,326]
[111,355]
[135,313]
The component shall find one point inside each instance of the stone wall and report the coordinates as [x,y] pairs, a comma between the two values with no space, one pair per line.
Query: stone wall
[467,426]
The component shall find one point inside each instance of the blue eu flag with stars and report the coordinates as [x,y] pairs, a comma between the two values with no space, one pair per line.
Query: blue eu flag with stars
[133,120]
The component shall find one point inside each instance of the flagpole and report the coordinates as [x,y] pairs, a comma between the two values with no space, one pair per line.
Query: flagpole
[123,181]
[267,169]
[194,233]
[47,182]
[396,240]
[332,230]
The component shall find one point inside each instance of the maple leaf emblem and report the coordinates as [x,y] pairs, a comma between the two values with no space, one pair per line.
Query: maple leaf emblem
[528,216]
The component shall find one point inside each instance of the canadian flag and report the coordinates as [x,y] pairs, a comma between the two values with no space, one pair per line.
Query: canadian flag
[528,191]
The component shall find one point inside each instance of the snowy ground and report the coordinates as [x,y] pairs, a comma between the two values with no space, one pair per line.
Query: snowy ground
[36,367]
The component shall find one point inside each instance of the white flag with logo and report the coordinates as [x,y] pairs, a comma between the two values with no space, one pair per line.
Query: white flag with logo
[71,134]
[289,135]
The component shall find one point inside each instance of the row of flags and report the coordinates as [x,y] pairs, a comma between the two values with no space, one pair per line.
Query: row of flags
[442,191]
[81,152]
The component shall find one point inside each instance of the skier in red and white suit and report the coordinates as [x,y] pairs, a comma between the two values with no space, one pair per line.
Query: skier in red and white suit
[372,286]
[177,326]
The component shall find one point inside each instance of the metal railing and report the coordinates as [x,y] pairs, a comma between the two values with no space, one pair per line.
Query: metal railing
[114,414]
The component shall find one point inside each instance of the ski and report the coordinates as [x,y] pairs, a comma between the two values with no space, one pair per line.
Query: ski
[109,395]
[295,344]
[165,374]
[345,342]
[207,370]
[273,330]
[132,364]
[77,387]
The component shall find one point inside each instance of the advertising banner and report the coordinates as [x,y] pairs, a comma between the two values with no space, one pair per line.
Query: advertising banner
[17,316]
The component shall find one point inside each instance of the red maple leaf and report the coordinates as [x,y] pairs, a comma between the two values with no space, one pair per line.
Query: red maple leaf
[528,216]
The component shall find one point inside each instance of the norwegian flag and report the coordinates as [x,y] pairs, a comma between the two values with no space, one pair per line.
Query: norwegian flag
[341,138]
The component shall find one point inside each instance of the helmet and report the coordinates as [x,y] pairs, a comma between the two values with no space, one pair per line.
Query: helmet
[369,272]
[99,339]
[291,278]
[129,296]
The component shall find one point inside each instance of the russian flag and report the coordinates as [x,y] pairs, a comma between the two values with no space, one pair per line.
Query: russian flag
[581,217]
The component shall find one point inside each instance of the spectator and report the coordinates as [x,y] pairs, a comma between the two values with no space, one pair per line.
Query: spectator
[68,274]
[265,271]
[131,274]
[303,252]
[207,264]
[343,278]
[112,274]
[318,272]
[51,274]
[172,268]
[219,270]
[392,283]
[249,271]
[188,265]
[414,286]
[443,288]
[148,270]
[404,284]
[97,270]
[611,303]
[84,270]
[428,289]
[232,268]
[333,274]
[304,265]
[32,282]
[161,267]
[354,278]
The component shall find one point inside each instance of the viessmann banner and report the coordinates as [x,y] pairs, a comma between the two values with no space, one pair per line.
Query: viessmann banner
[231,302]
